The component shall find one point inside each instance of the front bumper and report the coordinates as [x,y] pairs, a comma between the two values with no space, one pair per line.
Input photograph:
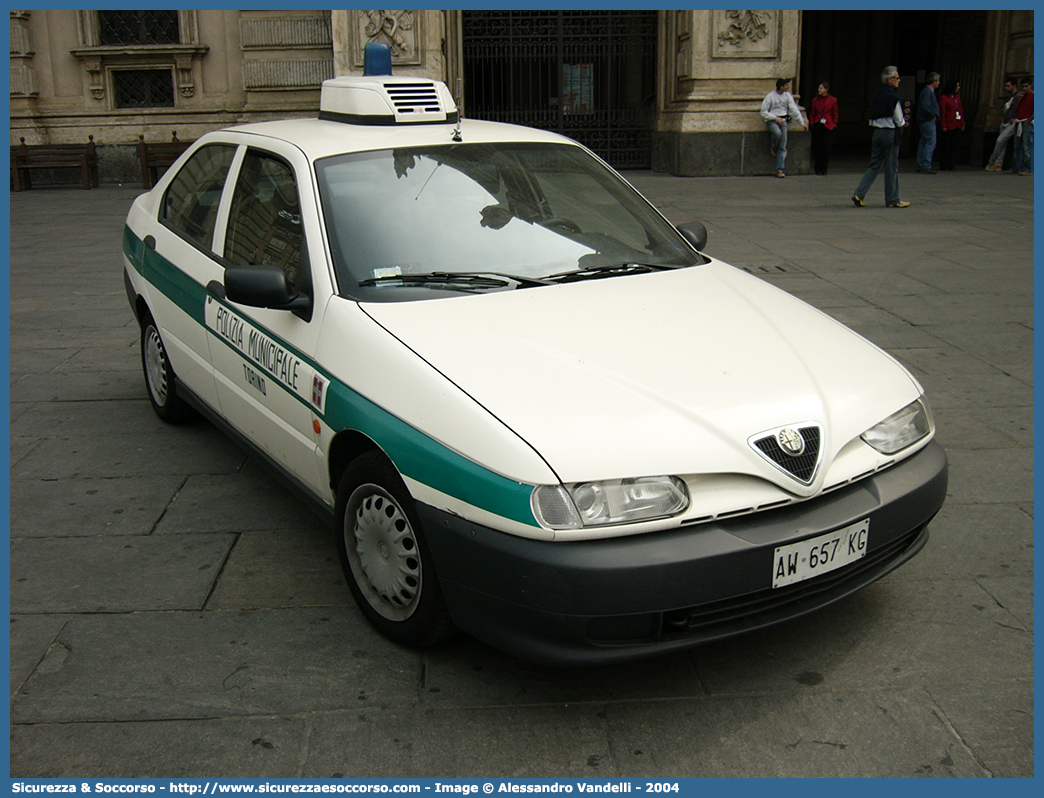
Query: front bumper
[628,597]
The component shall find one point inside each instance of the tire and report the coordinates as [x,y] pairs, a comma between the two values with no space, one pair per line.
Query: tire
[159,376]
[385,557]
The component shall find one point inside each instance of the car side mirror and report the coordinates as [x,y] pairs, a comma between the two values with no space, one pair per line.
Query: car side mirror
[264,287]
[695,233]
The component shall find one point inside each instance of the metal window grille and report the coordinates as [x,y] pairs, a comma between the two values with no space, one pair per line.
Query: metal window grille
[138,27]
[590,75]
[143,88]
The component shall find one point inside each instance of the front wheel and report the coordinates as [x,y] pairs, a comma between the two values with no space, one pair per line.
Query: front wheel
[385,557]
[159,376]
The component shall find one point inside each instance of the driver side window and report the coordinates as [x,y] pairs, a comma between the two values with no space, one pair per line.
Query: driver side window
[264,223]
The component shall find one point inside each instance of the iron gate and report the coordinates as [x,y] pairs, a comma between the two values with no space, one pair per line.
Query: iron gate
[589,75]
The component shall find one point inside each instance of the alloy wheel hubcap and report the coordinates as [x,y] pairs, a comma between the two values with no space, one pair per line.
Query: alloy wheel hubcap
[156,366]
[382,551]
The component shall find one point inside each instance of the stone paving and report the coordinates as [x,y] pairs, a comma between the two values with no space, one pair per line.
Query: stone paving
[174,612]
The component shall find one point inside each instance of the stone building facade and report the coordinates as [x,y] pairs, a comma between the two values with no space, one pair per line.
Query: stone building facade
[687,103]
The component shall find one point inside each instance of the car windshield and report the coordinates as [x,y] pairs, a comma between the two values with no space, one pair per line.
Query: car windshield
[407,223]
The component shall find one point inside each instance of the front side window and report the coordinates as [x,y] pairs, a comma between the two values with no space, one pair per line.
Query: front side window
[264,224]
[398,218]
[190,205]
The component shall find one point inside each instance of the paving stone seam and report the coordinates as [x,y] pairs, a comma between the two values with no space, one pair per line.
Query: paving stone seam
[39,662]
[1021,626]
[938,711]
[221,571]
[173,498]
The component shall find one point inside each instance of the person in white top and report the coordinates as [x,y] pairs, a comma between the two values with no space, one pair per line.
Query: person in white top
[778,110]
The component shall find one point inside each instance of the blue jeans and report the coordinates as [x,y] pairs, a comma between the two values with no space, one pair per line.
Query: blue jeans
[1023,160]
[884,151]
[1007,130]
[926,148]
[779,141]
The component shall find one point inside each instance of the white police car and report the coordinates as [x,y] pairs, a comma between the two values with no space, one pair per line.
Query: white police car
[533,410]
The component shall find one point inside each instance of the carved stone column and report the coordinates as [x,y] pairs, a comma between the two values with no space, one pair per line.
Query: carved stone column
[716,68]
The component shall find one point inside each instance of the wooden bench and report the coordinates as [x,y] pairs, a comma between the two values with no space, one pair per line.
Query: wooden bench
[27,157]
[159,157]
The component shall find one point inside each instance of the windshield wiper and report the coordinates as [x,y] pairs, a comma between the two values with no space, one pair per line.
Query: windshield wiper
[475,281]
[609,270]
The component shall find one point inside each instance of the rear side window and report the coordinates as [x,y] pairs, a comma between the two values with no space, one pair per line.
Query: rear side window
[190,205]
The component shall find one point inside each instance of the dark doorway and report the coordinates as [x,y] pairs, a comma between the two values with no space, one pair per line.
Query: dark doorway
[850,48]
[589,75]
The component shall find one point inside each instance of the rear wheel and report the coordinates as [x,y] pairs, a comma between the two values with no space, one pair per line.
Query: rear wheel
[385,557]
[159,376]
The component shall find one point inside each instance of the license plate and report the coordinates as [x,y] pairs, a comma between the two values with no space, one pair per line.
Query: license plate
[819,555]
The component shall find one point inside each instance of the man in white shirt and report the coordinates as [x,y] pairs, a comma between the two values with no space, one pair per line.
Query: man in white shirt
[1007,128]
[778,109]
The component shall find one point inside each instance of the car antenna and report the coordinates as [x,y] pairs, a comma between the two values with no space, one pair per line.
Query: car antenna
[460,112]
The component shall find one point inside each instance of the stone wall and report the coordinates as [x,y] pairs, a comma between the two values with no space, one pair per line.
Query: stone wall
[232,67]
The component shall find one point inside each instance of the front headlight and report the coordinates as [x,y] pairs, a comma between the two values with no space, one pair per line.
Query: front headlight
[616,501]
[901,429]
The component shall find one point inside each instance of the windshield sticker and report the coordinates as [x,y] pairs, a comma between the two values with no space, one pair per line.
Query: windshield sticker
[386,272]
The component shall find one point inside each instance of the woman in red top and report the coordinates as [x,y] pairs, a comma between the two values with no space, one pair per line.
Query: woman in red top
[951,124]
[822,119]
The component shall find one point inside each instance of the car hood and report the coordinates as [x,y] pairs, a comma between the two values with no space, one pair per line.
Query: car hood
[663,373]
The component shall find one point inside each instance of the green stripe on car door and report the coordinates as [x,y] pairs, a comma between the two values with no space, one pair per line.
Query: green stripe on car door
[133,247]
[177,286]
[424,459]
[415,454]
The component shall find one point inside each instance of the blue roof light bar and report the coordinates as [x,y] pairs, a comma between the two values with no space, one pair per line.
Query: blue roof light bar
[377,59]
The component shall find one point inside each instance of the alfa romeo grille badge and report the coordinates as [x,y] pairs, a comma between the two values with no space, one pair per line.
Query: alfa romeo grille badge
[796,449]
[791,441]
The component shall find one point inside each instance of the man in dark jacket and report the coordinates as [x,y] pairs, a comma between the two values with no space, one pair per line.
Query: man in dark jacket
[927,118]
[886,118]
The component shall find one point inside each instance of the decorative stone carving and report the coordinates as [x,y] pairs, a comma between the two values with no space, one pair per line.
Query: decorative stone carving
[23,81]
[96,77]
[23,76]
[183,67]
[285,33]
[745,34]
[400,30]
[21,39]
[286,75]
